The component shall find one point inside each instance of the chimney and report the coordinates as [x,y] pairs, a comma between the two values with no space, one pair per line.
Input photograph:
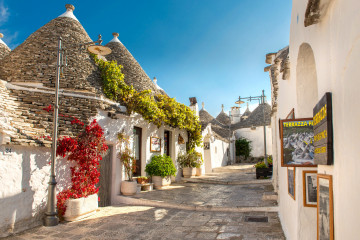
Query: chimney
[194,106]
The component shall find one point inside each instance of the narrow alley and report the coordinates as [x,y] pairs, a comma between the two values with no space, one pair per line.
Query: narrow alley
[227,204]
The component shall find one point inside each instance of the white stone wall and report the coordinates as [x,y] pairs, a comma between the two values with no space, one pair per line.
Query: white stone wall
[126,124]
[334,45]
[217,155]
[24,176]
[256,137]
[218,151]
[24,172]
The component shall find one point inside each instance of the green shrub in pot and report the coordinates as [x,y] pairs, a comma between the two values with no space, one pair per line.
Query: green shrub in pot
[160,165]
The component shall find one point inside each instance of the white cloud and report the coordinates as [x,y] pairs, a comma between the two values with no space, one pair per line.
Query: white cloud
[10,38]
[4,13]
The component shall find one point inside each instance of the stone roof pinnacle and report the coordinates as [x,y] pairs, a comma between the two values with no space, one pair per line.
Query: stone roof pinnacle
[115,39]
[69,12]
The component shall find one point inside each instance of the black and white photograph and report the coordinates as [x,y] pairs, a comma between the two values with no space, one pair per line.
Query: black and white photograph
[310,188]
[297,138]
[325,207]
[291,181]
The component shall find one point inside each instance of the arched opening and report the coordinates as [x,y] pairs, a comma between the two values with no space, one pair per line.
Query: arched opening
[306,81]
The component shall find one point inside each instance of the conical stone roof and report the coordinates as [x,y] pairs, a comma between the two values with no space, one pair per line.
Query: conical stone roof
[134,74]
[4,49]
[223,118]
[35,59]
[256,118]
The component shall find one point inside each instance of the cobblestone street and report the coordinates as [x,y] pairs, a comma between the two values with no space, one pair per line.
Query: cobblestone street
[239,215]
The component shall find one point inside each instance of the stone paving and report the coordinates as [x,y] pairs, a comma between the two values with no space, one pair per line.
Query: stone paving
[211,195]
[161,222]
[139,222]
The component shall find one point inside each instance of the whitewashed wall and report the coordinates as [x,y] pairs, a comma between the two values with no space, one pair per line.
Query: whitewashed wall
[24,173]
[256,137]
[24,177]
[334,46]
[218,151]
[127,123]
[217,155]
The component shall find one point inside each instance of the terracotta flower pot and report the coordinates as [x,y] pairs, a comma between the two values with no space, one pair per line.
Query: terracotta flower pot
[189,172]
[160,182]
[142,181]
[128,188]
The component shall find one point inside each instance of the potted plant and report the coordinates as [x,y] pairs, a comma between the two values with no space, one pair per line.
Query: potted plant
[142,180]
[188,164]
[160,168]
[199,162]
[262,170]
[126,157]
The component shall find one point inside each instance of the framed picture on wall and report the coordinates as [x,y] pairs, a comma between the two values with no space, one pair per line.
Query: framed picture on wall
[291,114]
[291,181]
[155,144]
[325,210]
[310,188]
[297,137]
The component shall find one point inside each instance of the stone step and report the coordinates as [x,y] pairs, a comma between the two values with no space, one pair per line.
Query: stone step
[212,181]
[270,196]
[235,168]
[153,203]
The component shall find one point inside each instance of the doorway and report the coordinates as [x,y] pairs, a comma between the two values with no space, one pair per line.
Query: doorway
[167,143]
[105,179]
[137,134]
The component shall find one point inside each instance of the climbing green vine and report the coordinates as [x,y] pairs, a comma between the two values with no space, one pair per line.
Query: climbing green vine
[163,110]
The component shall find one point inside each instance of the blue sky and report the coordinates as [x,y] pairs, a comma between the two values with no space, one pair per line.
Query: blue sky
[209,49]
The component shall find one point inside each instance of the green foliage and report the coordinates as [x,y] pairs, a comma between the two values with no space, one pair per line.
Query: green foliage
[166,110]
[262,163]
[160,165]
[243,147]
[191,159]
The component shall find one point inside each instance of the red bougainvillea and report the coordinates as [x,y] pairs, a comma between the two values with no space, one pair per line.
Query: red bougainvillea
[85,151]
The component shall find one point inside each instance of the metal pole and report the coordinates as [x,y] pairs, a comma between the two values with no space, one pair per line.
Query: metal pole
[263,102]
[51,218]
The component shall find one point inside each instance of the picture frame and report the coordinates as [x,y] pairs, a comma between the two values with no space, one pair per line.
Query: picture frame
[291,181]
[155,144]
[310,188]
[296,137]
[291,114]
[325,207]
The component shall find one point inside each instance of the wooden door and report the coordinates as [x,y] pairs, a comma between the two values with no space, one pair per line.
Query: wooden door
[105,179]
[137,134]
[167,143]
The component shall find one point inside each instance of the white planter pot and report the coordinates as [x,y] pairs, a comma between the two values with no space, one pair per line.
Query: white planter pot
[189,172]
[81,207]
[160,182]
[128,188]
[198,172]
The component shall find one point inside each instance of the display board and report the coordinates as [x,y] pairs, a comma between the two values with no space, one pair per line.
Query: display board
[297,147]
[323,131]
